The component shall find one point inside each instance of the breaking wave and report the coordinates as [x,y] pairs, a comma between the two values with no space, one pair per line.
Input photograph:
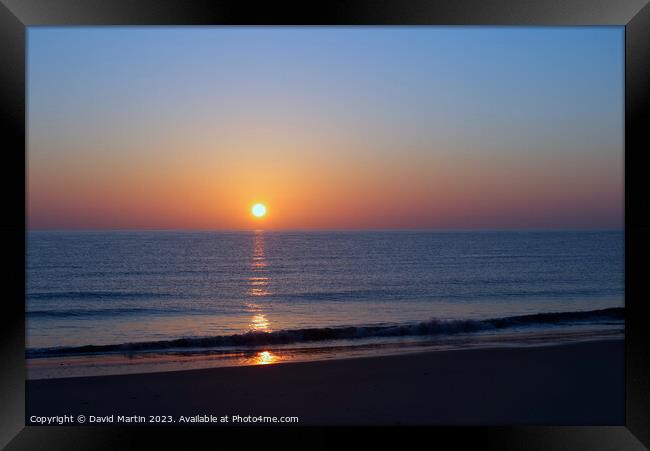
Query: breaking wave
[426,328]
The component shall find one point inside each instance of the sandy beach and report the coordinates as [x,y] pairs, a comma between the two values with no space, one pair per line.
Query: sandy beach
[571,384]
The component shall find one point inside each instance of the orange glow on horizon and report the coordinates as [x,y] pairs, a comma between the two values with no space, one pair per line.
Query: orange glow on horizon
[352,192]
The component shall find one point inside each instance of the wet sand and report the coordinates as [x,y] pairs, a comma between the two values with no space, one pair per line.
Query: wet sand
[570,384]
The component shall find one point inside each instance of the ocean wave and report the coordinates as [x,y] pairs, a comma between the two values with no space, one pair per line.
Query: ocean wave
[82,313]
[339,295]
[280,337]
[90,295]
[401,293]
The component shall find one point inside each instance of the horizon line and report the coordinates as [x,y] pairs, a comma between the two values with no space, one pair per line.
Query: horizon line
[505,229]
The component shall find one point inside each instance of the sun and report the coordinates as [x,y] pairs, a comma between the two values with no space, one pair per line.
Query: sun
[258,210]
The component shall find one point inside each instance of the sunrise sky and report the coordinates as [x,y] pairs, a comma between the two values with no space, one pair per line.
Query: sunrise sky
[330,128]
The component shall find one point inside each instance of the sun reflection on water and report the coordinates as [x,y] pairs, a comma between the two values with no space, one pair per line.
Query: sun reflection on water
[258,285]
[260,323]
[259,282]
[265,358]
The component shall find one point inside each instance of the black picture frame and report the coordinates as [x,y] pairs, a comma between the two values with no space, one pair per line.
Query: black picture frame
[16,15]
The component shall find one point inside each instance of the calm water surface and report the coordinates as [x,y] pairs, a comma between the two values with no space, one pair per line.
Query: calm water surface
[107,292]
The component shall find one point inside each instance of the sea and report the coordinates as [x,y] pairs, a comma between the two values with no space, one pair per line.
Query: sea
[112,302]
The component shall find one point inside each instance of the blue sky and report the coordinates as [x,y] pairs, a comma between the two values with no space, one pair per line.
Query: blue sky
[539,100]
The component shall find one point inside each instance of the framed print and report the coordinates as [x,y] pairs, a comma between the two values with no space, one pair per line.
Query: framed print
[299,219]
